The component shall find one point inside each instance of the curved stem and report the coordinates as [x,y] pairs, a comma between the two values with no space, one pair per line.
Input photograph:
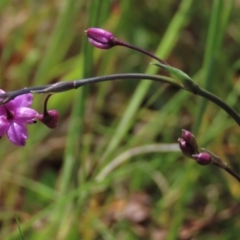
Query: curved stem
[230,171]
[45,111]
[151,148]
[217,161]
[218,101]
[121,43]
[65,86]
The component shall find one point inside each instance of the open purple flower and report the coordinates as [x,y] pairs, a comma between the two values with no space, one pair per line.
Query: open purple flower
[14,116]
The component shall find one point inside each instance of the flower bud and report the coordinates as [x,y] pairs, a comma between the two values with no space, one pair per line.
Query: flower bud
[189,138]
[50,119]
[186,148]
[188,143]
[202,158]
[100,38]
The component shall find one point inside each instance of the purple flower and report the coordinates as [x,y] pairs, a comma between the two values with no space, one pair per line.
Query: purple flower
[14,116]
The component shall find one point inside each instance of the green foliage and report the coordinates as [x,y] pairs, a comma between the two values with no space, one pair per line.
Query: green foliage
[112,168]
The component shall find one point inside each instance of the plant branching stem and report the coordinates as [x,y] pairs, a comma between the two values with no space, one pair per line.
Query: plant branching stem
[65,86]
[69,85]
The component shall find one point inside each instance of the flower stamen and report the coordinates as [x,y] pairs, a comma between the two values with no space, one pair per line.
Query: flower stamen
[9,114]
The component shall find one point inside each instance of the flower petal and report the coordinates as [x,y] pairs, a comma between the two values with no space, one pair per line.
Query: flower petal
[4,125]
[17,133]
[25,114]
[20,101]
[2,109]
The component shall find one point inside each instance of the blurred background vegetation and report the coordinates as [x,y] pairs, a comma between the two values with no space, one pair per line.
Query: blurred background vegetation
[112,169]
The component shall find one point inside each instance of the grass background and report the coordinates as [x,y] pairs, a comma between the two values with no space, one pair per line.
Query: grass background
[112,169]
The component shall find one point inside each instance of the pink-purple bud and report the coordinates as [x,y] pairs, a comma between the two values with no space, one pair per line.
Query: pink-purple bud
[186,148]
[100,38]
[50,119]
[189,138]
[203,158]
[188,144]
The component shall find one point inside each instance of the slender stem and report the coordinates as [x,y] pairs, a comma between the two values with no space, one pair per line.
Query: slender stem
[121,43]
[218,101]
[45,111]
[230,171]
[8,96]
[129,154]
[65,86]
[19,228]
[133,76]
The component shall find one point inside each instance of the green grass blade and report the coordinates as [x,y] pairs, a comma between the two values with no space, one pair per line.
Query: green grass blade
[60,39]
[209,68]
[215,31]
[19,228]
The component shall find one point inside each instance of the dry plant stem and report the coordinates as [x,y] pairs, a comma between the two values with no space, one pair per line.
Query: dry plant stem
[134,152]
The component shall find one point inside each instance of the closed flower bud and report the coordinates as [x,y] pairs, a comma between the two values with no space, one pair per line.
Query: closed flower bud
[50,119]
[100,38]
[186,148]
[203,158]
[188,144]
[189,138]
